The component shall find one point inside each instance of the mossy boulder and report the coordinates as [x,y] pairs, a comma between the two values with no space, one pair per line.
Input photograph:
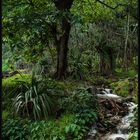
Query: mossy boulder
[10,87]
[14,80]
[126,87]
[124,74]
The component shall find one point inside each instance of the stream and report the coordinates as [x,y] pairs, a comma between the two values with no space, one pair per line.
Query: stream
[122,128]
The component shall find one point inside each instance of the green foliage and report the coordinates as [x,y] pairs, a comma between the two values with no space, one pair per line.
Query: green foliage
[33,101]
[124,74]
[126,87]
[67,127]
[11,87]
[55,85]
[5,115]
[15,129]
[78,100]
[76,65]
[98,80]
[121,87]
[51,129]
[14,80]
[5,67]
[83,121]
[28,36]
[92,24]
[86,117]
[133,135]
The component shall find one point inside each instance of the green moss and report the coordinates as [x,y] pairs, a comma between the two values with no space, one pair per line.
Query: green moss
[125,74]
[14,80]
[5,115]
[121,87]
[71,85]
[126,87]
[10,88]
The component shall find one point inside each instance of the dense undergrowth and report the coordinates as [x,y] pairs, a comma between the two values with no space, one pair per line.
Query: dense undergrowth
[53,51]
[69,112]
[54,99]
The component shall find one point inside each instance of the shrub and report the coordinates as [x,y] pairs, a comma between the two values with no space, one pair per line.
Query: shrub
[33,101]
[124,74]
[11,87]
[67,127]
[133,135]
[15,129]
[83,121]
[86,117]
[79,100]
[51,129]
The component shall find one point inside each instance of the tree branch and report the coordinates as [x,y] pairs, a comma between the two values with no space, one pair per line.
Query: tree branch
[113,8]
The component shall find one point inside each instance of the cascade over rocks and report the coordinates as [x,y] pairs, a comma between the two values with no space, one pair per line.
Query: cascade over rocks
[115,113]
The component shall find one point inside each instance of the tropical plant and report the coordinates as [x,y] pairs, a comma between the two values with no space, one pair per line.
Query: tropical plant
[34,100]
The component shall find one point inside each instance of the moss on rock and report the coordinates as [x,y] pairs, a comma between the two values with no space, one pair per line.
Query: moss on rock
[126,87]
[14,80]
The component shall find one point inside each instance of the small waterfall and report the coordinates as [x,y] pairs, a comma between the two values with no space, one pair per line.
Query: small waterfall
[123,126]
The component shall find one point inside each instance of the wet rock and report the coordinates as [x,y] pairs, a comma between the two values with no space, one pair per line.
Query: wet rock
[101,127]
[108,90]
[111,125]
[108,105]
[115,120]
[92,138]
[115,111]
[123,113]
[119,138]
[109,115]
[125,106]
[124,130]
[100,91]
[120,103]
[128,99]
[93,90]
[102,130]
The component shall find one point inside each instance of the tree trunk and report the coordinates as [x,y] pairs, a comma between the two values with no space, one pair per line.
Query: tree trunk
[111,60]
[62,50]
[63,6]
[103,66]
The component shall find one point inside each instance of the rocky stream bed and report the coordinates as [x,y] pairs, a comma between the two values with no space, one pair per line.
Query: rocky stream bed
[117,111]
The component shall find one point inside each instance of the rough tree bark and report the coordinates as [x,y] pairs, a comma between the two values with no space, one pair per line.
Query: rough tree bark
[62,42]
[62,50]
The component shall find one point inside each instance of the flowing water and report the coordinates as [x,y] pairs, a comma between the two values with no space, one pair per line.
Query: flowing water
[123,126]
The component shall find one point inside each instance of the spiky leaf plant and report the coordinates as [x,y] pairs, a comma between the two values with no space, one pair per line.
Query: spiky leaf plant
[34,100]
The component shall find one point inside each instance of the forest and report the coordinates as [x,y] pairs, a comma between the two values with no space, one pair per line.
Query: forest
[70,70]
